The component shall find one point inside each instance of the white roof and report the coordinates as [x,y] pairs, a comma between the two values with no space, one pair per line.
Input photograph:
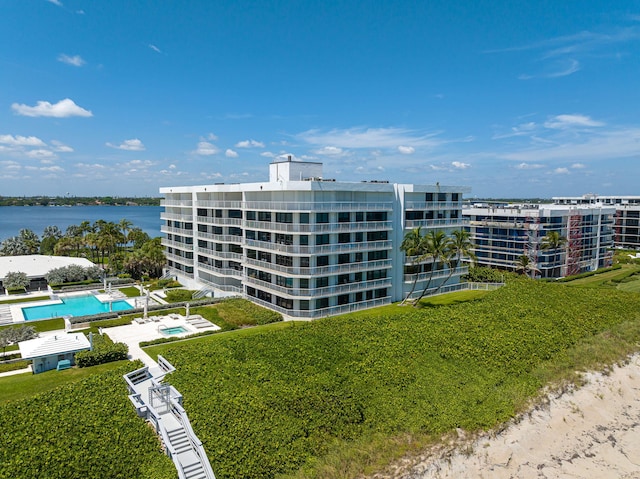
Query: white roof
[36,266]
[51,345]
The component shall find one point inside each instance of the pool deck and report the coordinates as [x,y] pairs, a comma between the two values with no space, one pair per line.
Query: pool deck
[136,332]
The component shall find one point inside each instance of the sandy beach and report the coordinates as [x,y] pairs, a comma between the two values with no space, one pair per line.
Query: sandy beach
[590,432]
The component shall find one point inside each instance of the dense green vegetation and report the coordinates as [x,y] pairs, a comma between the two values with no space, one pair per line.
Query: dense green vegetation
[104,351]
[77,200]
[285,401]
[83,430]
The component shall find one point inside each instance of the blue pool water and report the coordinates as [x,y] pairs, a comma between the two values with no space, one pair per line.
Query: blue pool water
[173,330]
[74,306]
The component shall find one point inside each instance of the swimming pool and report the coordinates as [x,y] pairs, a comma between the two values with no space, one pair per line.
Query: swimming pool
[173,330]
[73,306]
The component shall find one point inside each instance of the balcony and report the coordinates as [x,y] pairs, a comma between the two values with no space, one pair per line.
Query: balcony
[318,227]
[436,223]
[221,254]
[231,272]
[308,293]
[333,248]
[321,270]
[179,259]
[179,203]
[176,217]
[219,221]
[322,313]
[176,244]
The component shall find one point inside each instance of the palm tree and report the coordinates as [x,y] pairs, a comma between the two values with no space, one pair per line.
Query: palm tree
[460,245]
[436,247]
[412,248]
[553,241]
[525,265]
[125,226]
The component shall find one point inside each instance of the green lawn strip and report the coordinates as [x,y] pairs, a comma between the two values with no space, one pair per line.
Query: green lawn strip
[25,300]
[5,367]
[308,399]
[598,280]
[130,291]
[84,429]
[21,386]
[630,287]
[40,325]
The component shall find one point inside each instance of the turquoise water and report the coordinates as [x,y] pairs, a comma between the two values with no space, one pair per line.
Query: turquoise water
[173,330]
[74,306]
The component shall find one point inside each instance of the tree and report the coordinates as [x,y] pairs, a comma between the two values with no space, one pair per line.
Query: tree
[50,237]
[412,248]
[553,241]
[15,335]
[137,237]
[16,280]
[436,248]
[27,242]
[525,266]
[125,226]
[460,246]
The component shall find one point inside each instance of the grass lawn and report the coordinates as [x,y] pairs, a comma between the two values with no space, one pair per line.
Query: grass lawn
[604,279]
[130,291]
[40,325]
[21,386]
[25,300]
[631,286]
[344,396]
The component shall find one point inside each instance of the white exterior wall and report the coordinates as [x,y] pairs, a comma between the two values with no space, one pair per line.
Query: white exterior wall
[230,238]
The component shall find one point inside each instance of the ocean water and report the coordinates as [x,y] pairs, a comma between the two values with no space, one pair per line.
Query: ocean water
[37,218]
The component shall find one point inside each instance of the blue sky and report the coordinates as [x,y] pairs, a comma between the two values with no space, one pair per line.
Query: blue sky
[513,99]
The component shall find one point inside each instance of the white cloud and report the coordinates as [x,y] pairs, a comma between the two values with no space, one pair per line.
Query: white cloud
[561,122]
[172,166]
[578,166]
[268,154]
[75,60]
[211,137]
[55,2]
[206,149]
[529,166]
[40,153]
[406,150]
[459,165]
[154,48]
[61,147]
[63,109]
[370,138]
[329,151]
[230,153]
[561,171]
[129,145]
[249,144]
[21,140]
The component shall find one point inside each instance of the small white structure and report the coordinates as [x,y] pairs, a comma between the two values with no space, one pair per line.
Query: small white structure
[36,266]
[46,352]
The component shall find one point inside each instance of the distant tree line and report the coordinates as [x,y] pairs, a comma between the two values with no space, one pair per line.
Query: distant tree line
[119,248]
[77,200]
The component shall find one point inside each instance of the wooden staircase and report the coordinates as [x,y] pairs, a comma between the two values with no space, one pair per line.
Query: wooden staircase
[161,404]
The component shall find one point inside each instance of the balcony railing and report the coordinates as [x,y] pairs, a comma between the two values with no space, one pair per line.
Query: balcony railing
[319,292]
[176,217]
[333,248]
[179,259]
[322,313]
[181,203]
[436,223]
[221,254]
[219,221]
[320,270]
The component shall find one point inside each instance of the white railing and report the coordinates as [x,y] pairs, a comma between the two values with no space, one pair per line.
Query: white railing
[320,270]
[319,292]
[322,313]
[175,216]
[317,227]
[320,249]
[436,223]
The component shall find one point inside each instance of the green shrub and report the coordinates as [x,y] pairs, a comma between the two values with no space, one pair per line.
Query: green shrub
[178,295]
[14,366]
[104,351]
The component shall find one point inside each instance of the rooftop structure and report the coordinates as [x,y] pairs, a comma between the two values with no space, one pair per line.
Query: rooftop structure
[305,245]
[47,351]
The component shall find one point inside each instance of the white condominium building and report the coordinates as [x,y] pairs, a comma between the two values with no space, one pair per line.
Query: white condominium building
[303,245]
[502,235]
[627,221]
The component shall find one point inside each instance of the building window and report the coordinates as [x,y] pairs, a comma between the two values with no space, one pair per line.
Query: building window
[428,197]
[264,216]
[304,218]
[304,283]
[251,215]
[442,197]
[218,213]
[377,255]
[284,239]
[322,303]
[235,214]
[304,304]
[217,230]
[322,217]
[344,258]
[343,299]
[304,261]
[284,260]
[455,197]
[359,237]
[359,217]
[322,282]
[284,302]
[264,256]
[343,217]
[376,274]
[322,260]
[376,236]
[284,217]
[284,282]
[414,215]
[264,236]
[235,231]
[344,237]
[343,279]
[377,216]
[250,234]
[322,239]
[304,240]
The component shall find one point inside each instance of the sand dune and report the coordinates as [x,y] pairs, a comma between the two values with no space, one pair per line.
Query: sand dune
[591,432]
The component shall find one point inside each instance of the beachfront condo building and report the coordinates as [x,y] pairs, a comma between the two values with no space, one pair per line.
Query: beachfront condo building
[626,230]
[305,245]
[502,234]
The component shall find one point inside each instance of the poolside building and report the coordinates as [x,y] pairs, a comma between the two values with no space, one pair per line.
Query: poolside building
[627,218]
[48,352]
[305,245]
[36,266]
[502,234]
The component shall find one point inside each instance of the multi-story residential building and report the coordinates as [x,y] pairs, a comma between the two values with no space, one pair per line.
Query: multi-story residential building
[503,234]
[627,220]
[303,245]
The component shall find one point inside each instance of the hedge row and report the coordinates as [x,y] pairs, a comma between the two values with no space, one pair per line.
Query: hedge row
[586,274]
[104,351]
